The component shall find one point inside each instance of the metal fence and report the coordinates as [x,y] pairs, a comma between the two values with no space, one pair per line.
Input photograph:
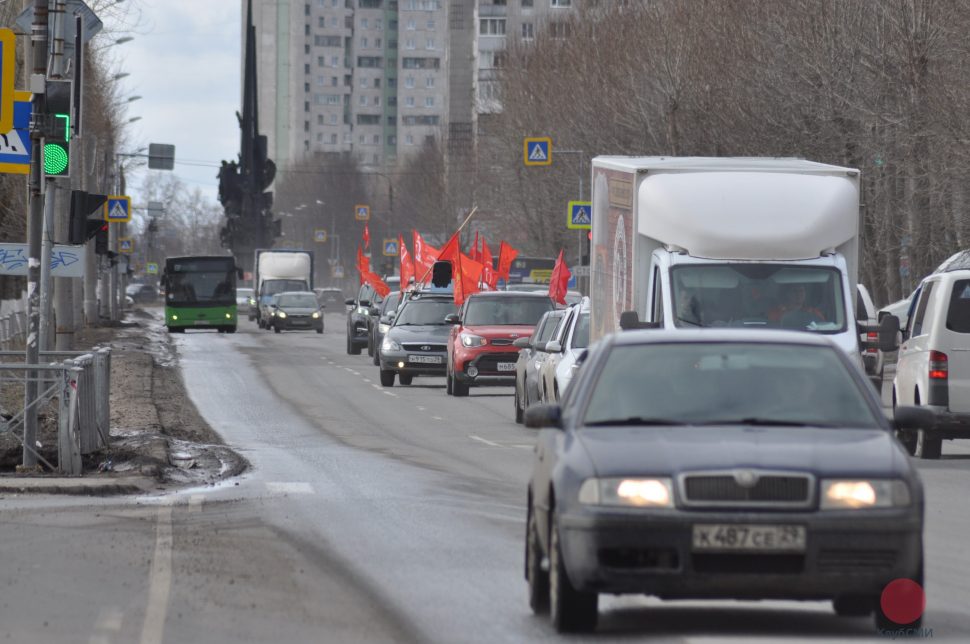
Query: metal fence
[81,383]
[13,330]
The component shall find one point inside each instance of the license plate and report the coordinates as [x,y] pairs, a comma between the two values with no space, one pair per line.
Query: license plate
[751,538]
[201,322]
[506,366]
[426,359]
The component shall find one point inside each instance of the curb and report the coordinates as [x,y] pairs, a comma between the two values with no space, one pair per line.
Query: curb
[77,486]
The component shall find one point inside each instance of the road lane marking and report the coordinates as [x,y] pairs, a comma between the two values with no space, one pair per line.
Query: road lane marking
[195,503]
[367,380]
[421,408]
[482,440]
[288,487]
[107,625]
[387,393]
[437,418]
[160,583]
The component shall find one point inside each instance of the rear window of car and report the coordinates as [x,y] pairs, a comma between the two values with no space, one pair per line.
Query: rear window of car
[958,313]
[499,311]
[305,300]
[581,334]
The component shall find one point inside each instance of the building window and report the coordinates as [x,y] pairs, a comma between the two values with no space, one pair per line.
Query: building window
[368,119]
[377,100]
[409,101]
[319,137]
[364,82]
[378,23]
[429,82]
[420,120]
[378,42]
[322,22]
[377,83]
[335,61]
[392,101]
[409,82]
[409,139]
[363,42]
[429,44]
[319,119]
[361,139]
[333,139]
[491,26]
[377,139]
[306,49]
[306,69]
[333,119]
[409,43]
[560,3]
[528,31]
[391,139]
[369,61]
[326,41]
[306,88]
[363,23]
[430,23]
[429,101]
[348,138]
[526,4]
[421,63]
[560,29]
[321,61]
[306,106]
[392,83]
[363,100]
[334,81]
[410,26]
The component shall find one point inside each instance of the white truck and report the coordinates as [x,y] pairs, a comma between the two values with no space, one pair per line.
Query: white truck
[278,271]
[725,242]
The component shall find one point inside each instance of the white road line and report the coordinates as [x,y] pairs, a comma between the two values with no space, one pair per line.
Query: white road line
[367,380]
[378,387]
[421,408]
[195,503]
[482,440]
[107,625]
[288,487]
[437,418]
[160,583]
[523,446]
[387,393]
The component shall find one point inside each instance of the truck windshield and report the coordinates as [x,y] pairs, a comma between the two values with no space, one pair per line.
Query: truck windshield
[805,298]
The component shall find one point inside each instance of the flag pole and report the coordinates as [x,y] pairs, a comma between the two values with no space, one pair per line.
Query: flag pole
[457,232]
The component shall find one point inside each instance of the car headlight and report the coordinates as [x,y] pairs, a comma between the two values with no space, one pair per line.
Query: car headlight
[628,492]
[390,345]
[859,495]
[315,315]
[363,310]
[383,327]
[281,314]
[252,301]
[470,340]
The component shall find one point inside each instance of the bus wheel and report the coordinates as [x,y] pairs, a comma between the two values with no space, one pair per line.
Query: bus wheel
[230,329]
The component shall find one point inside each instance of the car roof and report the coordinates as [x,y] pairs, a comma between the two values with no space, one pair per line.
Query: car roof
[708,335]
[512,294]
[297,293]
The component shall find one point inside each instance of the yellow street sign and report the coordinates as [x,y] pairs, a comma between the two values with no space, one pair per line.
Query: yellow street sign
[362,212]
[320,236]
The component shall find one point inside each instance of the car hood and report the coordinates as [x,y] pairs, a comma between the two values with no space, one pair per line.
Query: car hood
[434,333]
[500,331]
[625,451]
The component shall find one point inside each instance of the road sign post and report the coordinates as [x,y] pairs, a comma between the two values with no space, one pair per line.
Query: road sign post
[580,215]
[537,150]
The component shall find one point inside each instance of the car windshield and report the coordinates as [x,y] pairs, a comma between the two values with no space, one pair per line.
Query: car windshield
[272,287]
[499,311]
[758,296]
[727,383]
[299,300]
[581,334]
[422,312]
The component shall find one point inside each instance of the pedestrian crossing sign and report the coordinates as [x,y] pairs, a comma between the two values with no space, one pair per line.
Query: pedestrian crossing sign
[580,215]
[117,208]
[390,247]
[537,150]
[361,212]
[126,245]
[320,236]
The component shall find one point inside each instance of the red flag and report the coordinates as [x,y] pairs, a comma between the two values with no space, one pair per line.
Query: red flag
[424,256]
[363,264]
[466,274]
[407,266]
[376,283]
[366,236]
[559,280]
[450,250]
[489,276]
[506,254]
[473,253]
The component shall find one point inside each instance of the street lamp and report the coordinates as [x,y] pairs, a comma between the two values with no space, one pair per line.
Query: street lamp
[122,40]
[134,118]
[133,98]
[120,75]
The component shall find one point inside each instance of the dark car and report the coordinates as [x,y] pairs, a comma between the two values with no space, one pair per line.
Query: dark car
[720,465]
[532,353]
[416,343]
[382,316]
[296,310]
[357,319]
[375,314]
[330,296]
[480,350]
[142,293]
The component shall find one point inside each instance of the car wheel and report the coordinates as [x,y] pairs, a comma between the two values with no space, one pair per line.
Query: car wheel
[853,605]
[370,347]
[406,378]
[571,610]
[320,330]
[905,436]
[534,574]
[387,378]
[349,345]
[276,328]
[927,446]
[884,623]
[448,383]
[458,388]
[518,407]
[377,359]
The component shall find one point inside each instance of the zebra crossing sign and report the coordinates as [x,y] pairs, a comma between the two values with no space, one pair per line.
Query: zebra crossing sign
[537,150]
[580,215]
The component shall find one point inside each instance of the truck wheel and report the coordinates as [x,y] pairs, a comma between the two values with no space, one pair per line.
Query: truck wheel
[387,378]
[320,330]
[230,329]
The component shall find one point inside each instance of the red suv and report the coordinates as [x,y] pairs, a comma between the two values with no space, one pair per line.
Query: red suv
[480,350]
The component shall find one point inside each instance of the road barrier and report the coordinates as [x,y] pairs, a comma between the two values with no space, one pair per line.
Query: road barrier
[81,383]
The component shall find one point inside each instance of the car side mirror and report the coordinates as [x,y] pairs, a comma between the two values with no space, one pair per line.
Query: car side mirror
[630,320]
[888,332]
[539,416]
[914,418]
[365,304]
[553,347]
[452,318]
[350,302]
[522,343]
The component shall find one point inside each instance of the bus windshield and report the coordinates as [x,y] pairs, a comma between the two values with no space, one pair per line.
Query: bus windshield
[204,282]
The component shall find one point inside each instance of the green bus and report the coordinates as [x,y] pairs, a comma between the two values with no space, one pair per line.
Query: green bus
[200,293]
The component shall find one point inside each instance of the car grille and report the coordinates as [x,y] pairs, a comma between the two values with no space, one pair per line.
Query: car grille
[751,564]
[831,560]
[424,347]
[488,362]
[748,488]
[502,342]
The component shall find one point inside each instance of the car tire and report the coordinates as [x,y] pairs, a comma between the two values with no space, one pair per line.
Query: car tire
[458,388]
[276,328]
[518,407]
[927,446]
[370,347]
[853,605]
[537,578]
[406,378]
[349,344]
[377,359]
[320,330]
[884,623]
[387,378]
[448,384]
[571,610]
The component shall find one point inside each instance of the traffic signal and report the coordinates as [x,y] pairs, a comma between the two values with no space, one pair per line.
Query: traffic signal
[57,144]
[86,218]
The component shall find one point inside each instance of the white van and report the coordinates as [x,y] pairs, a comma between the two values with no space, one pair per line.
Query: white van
[933,368]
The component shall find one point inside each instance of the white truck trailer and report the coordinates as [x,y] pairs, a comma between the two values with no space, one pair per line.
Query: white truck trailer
[278,271]
[725,242]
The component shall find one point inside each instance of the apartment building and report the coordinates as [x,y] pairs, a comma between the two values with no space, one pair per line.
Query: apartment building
[379,78]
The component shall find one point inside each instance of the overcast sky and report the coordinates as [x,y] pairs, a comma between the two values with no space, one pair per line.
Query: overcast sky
[184,63]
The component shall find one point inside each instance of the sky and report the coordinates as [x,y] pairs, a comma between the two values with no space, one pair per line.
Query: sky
[184,62]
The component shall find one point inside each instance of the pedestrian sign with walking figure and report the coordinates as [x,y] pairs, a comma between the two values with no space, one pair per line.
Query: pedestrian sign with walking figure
[537,150]
[580,215]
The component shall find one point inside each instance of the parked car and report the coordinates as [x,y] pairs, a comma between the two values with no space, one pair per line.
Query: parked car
[245,303]
[720,464]
[480,350]
[381,315]
[142,293]
[331,297]
[532,353]
[570,340]
[295,310]
[416,344]
[933,366]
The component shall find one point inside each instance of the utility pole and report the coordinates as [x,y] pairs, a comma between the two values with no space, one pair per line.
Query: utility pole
[38,57]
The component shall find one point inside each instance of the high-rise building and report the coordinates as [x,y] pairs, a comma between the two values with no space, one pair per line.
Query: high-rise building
[379,78]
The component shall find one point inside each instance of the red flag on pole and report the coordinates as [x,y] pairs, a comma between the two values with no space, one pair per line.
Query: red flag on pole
[489,276]
[559,280]
[363,264]
[376,283]
[407,266]
[467,273]
[506,254]
[424,256]
[366,236]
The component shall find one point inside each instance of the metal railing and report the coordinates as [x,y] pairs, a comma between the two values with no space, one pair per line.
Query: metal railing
[13,330]
[81,383]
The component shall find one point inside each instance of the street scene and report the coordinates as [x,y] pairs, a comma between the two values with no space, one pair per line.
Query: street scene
[484,321]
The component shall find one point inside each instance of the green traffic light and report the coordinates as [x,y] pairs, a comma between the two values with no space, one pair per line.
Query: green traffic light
[55,158]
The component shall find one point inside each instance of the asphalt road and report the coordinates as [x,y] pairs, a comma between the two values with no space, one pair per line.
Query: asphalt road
[369,515]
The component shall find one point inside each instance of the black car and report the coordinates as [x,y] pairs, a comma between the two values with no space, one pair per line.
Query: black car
[358,315]
[375,313]
[330,296]
[416,344]
[142,293]
[295,310]
[720,465]
[381,316]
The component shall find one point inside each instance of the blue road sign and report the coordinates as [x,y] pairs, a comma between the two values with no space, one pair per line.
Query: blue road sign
[537,150]
[117,208]
[15,143]
[390,247]
[580,215]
